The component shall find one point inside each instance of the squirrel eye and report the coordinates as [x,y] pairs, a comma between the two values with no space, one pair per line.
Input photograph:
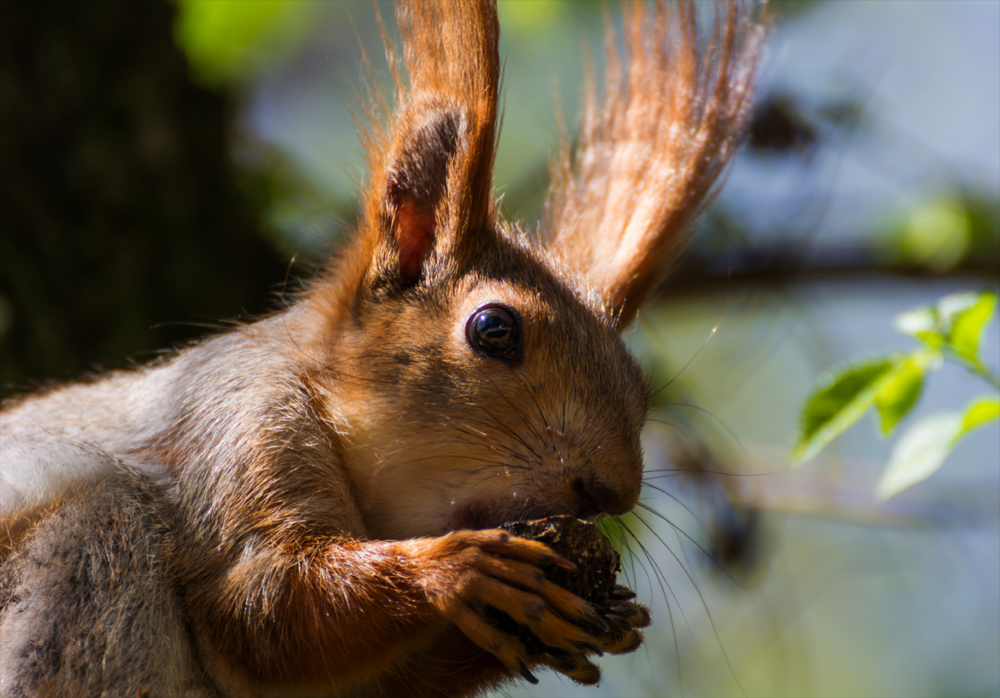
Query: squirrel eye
[493,331]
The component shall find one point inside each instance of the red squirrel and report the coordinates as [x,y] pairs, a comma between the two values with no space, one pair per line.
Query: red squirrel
[307,504]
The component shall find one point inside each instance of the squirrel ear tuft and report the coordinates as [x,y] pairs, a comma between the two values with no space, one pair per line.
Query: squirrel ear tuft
[654,149]
[417,186]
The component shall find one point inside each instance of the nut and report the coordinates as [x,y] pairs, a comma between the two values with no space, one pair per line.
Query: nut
[582,543]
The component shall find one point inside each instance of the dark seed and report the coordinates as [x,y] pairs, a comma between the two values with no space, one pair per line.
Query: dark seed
[581,544]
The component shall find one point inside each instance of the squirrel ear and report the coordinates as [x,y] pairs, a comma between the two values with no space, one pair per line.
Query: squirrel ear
[416,188]
[652,152]
[429,198]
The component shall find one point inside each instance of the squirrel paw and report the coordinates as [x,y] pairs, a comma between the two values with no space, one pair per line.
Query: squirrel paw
[473,572]
[621,635]
[625,617]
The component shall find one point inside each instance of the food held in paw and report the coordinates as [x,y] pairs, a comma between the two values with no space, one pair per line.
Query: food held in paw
[582,543]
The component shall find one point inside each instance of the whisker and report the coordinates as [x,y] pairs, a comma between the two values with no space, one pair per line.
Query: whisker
[661,580]
[516,411]
[658,570]
[725,304]
[510,432]
[690,441]
[673,472]
[701,596]
[538,408]
[692,540]
[678,501]
[709,413]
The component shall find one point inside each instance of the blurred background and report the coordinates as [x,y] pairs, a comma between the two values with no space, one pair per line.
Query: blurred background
[165,166]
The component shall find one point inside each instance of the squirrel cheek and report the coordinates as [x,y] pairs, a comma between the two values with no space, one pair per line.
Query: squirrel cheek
[416,495]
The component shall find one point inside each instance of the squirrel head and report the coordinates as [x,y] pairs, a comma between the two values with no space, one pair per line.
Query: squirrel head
[474,374]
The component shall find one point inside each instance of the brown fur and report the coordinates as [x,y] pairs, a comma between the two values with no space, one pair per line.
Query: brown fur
[311,500]
[652,151]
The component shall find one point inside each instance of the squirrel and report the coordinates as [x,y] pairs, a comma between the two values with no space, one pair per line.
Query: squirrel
[308,504]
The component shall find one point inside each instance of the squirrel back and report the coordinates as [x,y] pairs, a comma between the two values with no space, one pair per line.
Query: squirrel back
[312,499]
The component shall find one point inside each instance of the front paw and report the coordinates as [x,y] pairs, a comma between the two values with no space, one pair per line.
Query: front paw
[625,618]
[621,633]
[467,574]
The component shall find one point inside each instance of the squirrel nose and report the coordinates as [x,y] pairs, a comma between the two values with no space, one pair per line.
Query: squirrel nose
[596,497]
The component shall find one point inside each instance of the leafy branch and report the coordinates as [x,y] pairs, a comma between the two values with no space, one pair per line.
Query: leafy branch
[950,331]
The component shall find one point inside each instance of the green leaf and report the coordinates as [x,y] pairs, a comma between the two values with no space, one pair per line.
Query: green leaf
[967,326]
[983,410]
[919,452]
[923,324]
[925,445]
[838,403]
[932,339]
[915,322]
[953,305]
[226,40]
[900,389]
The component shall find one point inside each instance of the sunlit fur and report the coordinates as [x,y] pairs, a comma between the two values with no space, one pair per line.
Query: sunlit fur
[305,503]
[653,148]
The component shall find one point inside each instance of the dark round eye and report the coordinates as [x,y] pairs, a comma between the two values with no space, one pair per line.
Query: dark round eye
[493,331]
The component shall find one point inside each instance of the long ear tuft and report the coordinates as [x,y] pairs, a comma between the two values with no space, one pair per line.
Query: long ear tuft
[652,152]
[431,163]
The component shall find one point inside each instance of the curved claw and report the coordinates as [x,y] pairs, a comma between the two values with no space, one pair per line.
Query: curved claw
[618,623]
[625,610]
[527,675]
[621,593]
